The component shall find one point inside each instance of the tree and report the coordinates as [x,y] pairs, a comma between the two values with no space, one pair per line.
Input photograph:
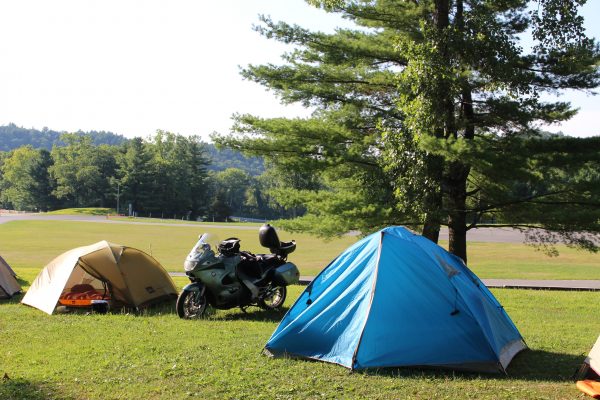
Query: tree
[468,87]
[219,209]
[135,175]
[180,178]
[233,184]
[3,202]
[26,184]
[221,159]
[83,172]
[284,190]
[414,107]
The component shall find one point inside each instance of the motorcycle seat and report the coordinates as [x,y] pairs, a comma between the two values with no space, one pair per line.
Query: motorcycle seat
[268,261]
[287,247]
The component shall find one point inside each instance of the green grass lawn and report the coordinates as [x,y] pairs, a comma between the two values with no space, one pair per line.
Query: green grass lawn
[155,355]
[520,261]
[29,245]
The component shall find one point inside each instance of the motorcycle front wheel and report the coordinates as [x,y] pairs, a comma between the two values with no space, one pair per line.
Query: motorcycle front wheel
[191,305]
[274,298]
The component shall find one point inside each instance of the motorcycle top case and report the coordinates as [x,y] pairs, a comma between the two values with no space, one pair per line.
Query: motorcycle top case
[286,274]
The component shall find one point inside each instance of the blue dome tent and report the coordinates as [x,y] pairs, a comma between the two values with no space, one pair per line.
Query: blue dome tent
[396,299]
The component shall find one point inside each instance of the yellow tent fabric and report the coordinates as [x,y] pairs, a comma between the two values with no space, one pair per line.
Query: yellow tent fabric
[8,281]
[133,277]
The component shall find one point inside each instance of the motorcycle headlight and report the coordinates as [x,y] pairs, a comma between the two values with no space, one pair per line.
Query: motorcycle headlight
[189,265]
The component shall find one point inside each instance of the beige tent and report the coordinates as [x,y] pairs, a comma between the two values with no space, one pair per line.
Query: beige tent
[589,374]
[8,281]
[127,275]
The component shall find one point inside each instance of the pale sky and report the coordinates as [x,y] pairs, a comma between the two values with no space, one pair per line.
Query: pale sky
[134,66]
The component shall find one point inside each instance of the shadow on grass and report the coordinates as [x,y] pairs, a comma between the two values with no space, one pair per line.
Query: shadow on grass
[545,366]
[154,310]
[529,365]
[162,308]
[13,300]
[233,314]
[23,282]
[23,389]
[253,314]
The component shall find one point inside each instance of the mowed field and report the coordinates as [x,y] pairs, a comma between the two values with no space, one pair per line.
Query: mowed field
[29,245]
[155,355]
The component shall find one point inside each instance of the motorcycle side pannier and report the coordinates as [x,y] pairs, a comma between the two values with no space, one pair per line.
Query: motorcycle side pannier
[286,274]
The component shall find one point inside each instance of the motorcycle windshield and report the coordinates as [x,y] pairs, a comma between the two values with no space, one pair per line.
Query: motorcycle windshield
[201,251]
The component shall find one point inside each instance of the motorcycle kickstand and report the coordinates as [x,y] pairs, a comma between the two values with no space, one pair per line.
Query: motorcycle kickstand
[243,308]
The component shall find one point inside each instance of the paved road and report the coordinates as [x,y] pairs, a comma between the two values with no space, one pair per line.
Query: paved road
[581,285]
[589,285]
[498,235]
[7,217]
[104,220]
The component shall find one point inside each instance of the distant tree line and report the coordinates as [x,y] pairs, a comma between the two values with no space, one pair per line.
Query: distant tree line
[13,137]
[165,175]
[221,159]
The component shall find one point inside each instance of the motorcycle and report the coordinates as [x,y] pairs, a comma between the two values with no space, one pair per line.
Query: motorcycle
[225,277]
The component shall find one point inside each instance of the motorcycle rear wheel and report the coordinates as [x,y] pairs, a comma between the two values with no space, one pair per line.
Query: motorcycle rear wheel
[274,298]
[191,305]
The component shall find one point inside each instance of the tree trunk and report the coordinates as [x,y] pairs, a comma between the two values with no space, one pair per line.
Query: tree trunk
[431,229]
[433,201]
[457,235]
[442,14]
[456,184]
[455,180]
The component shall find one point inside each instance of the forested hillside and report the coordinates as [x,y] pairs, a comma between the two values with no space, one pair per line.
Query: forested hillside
[166,175]
[13,136]
[221,159]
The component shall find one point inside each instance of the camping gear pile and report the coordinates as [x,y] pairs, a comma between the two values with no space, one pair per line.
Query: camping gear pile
[100,273]
[396,299]
[589,373]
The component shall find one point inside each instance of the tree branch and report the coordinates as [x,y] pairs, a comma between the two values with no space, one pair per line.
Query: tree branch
[515,202]
[529,226]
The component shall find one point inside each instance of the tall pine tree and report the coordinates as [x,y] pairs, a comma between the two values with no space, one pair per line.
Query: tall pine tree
[428,114]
